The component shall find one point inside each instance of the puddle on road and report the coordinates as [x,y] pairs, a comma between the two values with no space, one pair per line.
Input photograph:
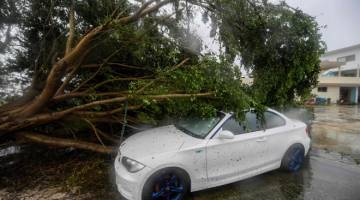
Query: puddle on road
[322,177]
[337,128]
[334,128]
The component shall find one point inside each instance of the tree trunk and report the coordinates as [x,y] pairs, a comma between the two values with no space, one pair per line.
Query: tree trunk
[18,119]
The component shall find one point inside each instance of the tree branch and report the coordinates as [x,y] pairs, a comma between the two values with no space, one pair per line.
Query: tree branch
[48,117]
[116,79]
[143,7]
[71,75]
[109,137]
[143,11]
[116,64]
[95,131]
[172,69]
[59,68]
[61,142]
[105,113]
[94,75]
[84,94]
[70,38]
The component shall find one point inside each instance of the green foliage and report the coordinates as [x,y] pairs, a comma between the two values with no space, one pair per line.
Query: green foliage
[208,75]
[280,46]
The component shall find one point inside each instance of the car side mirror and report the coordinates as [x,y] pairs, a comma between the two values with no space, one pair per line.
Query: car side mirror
[225,134]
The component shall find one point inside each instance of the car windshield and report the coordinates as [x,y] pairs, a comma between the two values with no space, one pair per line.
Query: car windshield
[198,127]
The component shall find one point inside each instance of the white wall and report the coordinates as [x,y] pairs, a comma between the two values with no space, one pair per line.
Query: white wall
[333,92]
[333,83]
[334,56]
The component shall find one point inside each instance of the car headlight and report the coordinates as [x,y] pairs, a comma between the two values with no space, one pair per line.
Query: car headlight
[131,165]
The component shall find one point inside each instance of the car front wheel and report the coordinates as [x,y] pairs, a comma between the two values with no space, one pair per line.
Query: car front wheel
[166,184]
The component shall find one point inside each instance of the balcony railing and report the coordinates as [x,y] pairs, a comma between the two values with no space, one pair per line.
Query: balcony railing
[339,80]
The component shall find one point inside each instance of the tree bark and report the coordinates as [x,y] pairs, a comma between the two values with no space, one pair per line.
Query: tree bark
[16,118]
[61,142]
[49,117]
[70,40]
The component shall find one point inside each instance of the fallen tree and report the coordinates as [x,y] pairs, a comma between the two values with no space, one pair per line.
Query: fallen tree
[82,99]
[16,117]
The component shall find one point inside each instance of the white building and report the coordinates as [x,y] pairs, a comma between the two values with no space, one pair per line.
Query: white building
[339,79]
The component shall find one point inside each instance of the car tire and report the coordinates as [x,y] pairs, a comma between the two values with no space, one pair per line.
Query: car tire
[167,181]
[294,158]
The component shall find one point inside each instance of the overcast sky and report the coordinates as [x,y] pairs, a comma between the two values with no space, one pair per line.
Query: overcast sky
[342,18]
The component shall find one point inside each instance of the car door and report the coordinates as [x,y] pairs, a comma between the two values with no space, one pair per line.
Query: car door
[229,160]
[278,134]
[275,135]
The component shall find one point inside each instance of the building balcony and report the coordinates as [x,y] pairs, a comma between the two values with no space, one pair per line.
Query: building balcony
[339,80]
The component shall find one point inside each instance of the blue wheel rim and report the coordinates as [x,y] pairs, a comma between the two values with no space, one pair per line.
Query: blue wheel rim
[296,160]
[168,187]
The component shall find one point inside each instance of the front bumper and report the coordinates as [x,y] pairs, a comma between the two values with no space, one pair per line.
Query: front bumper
[129,184]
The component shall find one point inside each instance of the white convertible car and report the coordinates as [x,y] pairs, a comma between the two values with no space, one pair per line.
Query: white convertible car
[195,154]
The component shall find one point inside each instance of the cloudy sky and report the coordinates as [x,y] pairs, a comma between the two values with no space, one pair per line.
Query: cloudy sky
[342,18]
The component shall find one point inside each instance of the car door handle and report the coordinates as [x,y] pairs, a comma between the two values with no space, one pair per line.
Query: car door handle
[262,139]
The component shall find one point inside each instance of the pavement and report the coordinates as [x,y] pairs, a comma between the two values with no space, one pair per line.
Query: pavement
[325,175]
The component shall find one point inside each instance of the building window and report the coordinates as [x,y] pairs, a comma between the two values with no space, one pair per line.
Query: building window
[349,73]
[322,89]
[330,74]
[346,58]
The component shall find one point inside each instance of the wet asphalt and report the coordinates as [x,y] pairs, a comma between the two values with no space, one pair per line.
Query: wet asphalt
[324,176]
[331,171]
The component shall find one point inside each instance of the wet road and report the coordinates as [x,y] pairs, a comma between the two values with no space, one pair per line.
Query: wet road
[330,173]
[337,128]
[321,178]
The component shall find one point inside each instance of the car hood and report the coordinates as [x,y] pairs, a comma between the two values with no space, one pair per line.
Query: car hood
[155,141]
